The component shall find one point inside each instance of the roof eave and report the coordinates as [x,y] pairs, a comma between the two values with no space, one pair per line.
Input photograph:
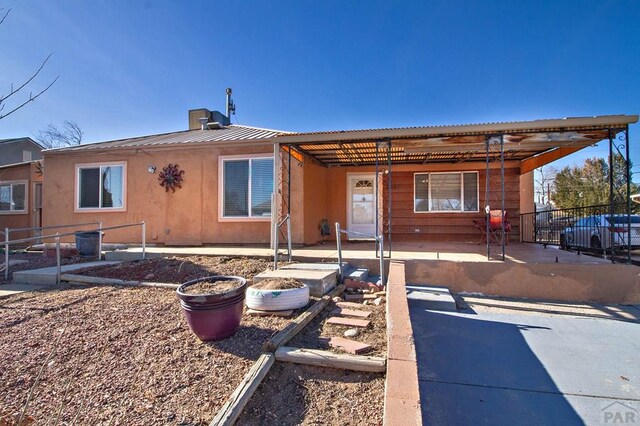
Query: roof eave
[563,124]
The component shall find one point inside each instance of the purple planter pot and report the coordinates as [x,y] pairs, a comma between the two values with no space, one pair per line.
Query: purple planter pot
[213,316]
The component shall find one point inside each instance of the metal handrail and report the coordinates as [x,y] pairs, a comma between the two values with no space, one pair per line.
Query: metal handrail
[40,228]
[287,220]
[378,238]
[57,236]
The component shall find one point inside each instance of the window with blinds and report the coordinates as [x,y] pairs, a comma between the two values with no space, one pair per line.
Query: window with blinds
[446,192]
[13,197]
[247,187]
[101,187]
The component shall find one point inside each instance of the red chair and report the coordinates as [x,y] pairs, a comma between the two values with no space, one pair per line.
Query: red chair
[495,227]
[496,219]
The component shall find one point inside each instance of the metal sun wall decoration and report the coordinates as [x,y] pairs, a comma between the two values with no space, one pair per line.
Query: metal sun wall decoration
[171,177]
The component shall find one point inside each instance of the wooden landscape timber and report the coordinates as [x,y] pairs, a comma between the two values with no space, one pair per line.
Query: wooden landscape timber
[84,280]
[232,409]
[322,358]
[298,323]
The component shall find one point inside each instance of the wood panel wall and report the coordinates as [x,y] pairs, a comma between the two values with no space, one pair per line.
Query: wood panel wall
[455,226]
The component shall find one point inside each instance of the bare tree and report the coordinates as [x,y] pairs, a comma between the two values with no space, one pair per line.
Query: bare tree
[13,90]
[545,183]
[69,134]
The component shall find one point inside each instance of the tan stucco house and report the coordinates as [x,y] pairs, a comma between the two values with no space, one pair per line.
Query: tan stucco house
[413,184]
[21,196]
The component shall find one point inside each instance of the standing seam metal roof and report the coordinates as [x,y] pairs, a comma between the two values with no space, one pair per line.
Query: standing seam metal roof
[230,133]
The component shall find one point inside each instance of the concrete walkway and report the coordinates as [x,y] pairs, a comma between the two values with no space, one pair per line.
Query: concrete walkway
[11,289]
[47,276]
[524,362]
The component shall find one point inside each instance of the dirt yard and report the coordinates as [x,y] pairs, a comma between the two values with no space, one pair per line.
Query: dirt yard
[180,269]
[118,356]
[295,394]
[113,355]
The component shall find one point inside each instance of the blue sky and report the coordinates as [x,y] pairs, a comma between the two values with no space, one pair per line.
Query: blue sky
[131,67]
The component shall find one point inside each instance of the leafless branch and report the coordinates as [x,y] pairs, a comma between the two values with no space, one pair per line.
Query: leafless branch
[13,91]
[69,134]
[5,15]
[31,98]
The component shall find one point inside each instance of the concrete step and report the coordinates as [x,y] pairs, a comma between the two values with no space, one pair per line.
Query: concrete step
[319,282]
[48,275]
[433,298]
[314,266]
[359,274]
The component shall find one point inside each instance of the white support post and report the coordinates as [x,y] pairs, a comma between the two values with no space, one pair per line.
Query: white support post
[144,240]
[289,237]
[339,248]
[6,254]
[100,240]
[58,267]
[382,278]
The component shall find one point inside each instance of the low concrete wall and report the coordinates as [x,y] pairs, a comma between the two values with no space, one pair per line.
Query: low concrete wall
[402,390]
[604,283]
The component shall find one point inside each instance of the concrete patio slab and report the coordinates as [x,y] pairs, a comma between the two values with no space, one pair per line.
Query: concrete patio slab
[47,276]
[499,365]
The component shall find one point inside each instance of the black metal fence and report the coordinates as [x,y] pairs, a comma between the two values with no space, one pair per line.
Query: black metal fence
[589,228]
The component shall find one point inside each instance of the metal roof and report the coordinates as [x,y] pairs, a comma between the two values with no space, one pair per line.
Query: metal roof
[231,133]
[556,124]
[456,143]
[26,138]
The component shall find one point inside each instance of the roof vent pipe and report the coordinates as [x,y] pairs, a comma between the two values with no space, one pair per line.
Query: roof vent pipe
[231,107]
[203,122]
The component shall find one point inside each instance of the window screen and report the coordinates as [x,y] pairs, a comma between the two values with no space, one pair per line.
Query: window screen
[5,197]
[13,197]
[248,185]
[261,187]
[236,188]
[445,192]
[470,192]
[421,188]
[101,187]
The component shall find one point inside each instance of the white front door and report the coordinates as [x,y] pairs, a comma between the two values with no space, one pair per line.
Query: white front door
[361,205]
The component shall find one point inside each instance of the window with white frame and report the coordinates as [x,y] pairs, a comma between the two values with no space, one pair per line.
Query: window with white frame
[445,192]
[100,186]
[13,197]
[247,184]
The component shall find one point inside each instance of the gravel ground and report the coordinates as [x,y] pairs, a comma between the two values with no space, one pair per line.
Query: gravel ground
[295,394]
[180,269]
[118,356]
[112,355]
[375,334]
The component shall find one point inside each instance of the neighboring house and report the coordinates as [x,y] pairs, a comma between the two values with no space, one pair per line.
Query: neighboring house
[21,196]
[19,150]
[431,182]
